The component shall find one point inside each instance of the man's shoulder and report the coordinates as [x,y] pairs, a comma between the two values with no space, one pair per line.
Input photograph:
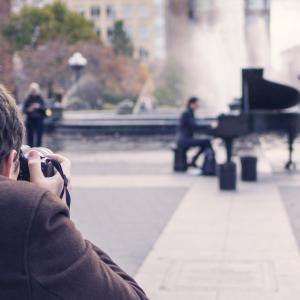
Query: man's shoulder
[19,194]
[19,203]
[185,113]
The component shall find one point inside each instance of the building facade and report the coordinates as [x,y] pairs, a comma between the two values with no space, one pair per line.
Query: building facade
[18,4]
[144,21]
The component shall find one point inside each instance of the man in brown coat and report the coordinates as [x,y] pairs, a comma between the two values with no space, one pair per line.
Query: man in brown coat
[42,255]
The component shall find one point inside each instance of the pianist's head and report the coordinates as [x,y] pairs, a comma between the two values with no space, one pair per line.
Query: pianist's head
[193,103]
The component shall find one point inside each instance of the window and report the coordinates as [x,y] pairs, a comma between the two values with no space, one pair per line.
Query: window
[127,11]
[111,12]
[95,12]
[98,32]
[109,33]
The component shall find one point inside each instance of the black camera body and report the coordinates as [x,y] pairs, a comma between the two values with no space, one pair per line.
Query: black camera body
[46,166]
[49,168]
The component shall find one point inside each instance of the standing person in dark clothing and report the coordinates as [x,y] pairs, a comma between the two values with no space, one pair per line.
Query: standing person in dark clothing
[35,110]
[186,131]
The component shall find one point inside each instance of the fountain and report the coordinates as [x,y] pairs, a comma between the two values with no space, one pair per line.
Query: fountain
[219,37]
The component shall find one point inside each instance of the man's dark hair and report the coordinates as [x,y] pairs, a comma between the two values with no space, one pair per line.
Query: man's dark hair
[11,125]
[191,101]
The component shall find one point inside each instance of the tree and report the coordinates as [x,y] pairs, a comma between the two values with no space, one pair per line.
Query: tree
[171,84]
[118,76]
[120,40]
[33,25]
[6,63]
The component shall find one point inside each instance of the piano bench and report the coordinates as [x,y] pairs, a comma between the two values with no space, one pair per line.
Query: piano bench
[180,159]
[227,176]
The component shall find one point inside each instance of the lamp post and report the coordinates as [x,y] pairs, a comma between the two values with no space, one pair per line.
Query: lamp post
[77,62]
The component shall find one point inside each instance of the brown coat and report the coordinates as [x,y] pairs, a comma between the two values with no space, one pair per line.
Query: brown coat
[44,257]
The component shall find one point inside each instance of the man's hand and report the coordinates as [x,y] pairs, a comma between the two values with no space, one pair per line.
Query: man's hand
[53,184]
[33,107]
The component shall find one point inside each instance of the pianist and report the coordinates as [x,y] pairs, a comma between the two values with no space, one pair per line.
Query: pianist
[186,132]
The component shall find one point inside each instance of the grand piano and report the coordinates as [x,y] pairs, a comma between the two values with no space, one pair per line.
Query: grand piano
[261,109]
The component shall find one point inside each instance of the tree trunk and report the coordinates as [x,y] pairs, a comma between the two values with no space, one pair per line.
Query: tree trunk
[6,54]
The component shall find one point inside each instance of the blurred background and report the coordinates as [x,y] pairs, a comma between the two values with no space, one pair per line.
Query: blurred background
[115,75]
[152,53]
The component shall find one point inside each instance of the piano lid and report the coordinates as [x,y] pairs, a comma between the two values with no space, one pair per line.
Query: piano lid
[261,94]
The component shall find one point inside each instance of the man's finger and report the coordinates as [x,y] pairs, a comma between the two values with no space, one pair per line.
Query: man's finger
[34,165]
[61,159]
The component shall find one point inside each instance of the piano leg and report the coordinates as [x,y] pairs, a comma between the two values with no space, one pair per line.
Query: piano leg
[228,144]
[290,164]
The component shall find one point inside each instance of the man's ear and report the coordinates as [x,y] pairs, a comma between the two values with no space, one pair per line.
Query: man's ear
[8,165]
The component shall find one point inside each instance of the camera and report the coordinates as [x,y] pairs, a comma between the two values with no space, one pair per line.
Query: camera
[49,168]
[46,164]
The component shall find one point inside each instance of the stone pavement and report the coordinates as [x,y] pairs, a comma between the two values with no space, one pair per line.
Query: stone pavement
[226,245]
[122,200]
[181,236]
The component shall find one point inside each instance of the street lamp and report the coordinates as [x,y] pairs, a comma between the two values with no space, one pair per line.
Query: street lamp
[77,62]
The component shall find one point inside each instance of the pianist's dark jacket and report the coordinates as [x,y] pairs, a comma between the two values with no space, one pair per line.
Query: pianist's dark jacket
[44,257]
[187,126]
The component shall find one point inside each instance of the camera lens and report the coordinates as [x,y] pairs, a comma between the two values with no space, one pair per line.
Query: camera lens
[43,151]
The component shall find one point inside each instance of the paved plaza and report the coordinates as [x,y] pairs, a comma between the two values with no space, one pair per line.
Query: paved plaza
[178,234]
